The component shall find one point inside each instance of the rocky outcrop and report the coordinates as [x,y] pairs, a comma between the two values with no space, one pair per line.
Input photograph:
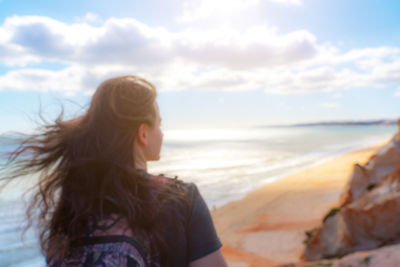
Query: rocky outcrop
[378,168]
[388,256]
[368,215]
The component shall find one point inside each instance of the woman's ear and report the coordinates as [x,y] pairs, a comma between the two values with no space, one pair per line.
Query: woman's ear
[142,134]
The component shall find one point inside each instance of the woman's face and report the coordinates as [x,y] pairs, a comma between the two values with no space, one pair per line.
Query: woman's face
[155,137]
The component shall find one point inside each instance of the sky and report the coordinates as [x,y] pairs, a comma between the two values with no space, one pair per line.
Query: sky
[215,63]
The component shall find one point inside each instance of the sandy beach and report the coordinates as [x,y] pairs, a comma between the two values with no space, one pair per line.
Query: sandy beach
[267,227]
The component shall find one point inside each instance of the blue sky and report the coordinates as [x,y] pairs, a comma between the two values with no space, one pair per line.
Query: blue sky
[216,63]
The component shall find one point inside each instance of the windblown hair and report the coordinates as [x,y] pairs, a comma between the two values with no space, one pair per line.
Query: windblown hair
[86,161]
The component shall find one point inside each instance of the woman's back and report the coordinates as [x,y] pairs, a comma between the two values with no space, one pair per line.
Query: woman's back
[191,235]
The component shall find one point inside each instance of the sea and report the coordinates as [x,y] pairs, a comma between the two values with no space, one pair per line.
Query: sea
[225,164]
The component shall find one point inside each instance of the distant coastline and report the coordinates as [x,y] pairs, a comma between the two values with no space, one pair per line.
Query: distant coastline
[349,123]
[341,123]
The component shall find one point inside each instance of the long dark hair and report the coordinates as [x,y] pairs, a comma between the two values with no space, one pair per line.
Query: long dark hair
[85,161]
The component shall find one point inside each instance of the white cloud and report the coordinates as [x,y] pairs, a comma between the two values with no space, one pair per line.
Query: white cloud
[37,39]
[131,42]
[223,58]
[257,47]
[69,80]
[40,80]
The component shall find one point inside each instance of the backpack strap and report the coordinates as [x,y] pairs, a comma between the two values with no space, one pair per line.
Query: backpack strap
[92,240]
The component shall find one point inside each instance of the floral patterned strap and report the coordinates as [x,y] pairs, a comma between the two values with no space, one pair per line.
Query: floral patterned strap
[91,240]
[139,254]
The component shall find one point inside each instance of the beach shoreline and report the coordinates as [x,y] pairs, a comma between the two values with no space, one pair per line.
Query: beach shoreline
[267,227]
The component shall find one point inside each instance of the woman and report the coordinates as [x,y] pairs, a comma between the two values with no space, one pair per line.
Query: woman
[94,186]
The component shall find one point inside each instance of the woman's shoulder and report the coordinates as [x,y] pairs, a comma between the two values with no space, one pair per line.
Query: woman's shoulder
[188,188]
[186,194]
[190,192]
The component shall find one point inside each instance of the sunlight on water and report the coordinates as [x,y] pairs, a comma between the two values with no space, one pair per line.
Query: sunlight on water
[228,163]
[190,135]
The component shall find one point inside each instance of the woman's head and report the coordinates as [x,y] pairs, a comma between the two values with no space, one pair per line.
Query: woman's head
[124,101]
[124,121]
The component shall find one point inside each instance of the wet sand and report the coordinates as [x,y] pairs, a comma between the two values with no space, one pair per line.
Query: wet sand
[267,227]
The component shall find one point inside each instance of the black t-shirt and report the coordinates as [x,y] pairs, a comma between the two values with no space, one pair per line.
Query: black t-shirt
[195,237]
